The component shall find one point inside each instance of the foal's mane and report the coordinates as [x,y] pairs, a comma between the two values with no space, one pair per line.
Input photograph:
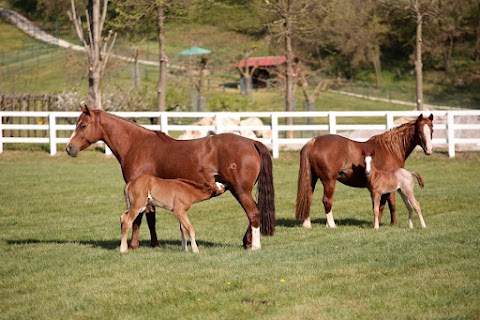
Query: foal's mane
[205,188]
[397,140]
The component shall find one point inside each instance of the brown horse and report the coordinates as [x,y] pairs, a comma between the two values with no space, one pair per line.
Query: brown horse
[385,182]
[176,195]
[332,157]
[232,160]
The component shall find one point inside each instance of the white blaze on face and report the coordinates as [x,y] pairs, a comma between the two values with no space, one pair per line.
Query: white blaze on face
[428,138]
[368,164]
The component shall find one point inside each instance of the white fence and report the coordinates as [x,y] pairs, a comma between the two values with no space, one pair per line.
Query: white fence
[454,130]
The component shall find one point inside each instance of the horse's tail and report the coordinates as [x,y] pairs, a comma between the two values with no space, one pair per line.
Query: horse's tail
[304,187]
[265,191]
[419,179]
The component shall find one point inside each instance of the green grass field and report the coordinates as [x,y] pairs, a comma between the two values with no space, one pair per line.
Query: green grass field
[60,259]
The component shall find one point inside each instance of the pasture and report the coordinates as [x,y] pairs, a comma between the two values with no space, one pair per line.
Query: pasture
[60,238]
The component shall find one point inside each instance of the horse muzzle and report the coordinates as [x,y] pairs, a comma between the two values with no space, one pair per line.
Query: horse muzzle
[72,151]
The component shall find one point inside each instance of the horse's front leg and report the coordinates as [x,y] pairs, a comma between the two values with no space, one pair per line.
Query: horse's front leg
[392,207]
[376,210]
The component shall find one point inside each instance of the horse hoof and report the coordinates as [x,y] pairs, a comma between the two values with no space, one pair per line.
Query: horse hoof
[154,243]
[134,246]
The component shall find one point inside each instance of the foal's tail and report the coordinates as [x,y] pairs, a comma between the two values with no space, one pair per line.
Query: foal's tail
[419,179]
[304,187]
[265,191]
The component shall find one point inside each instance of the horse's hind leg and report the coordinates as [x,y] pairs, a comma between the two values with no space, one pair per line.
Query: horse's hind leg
[328,191]
[410,198]
[186,227]
[184,233]
[151,219]
[251,239]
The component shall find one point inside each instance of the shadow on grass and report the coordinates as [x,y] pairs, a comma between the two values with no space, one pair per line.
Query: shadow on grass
[111,244]
[291,223]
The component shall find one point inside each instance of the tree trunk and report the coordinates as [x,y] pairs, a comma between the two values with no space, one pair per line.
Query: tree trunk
[95,69]
[162,81]
[476,56]
[289,76]
[418,57]
[377,66]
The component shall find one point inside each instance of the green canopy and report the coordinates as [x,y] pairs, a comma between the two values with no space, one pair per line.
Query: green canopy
[194,50]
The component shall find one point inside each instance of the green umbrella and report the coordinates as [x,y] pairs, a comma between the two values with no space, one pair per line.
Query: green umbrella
[194,51]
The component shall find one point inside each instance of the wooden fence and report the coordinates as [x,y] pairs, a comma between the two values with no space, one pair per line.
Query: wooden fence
[453,130]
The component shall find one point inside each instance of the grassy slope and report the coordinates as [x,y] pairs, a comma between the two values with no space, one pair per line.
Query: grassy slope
[41,68]
[60,238]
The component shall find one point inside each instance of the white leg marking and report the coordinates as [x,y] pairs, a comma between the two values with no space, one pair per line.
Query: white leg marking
[330,221]
[256,238]
[307,223]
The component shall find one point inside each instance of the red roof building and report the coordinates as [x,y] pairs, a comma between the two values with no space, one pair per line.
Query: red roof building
[266,69]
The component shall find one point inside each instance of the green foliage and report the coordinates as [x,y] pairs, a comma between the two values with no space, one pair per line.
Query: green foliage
[227,102]
[60,238]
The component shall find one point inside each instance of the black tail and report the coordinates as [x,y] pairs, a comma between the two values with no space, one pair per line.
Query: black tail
[265,191]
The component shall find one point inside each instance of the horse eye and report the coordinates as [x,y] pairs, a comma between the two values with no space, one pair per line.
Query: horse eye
[83,126]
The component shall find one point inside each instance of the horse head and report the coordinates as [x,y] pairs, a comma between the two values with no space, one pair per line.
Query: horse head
[424,131]
[87,131]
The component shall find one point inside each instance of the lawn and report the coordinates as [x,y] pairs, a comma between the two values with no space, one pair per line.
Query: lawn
[60,238]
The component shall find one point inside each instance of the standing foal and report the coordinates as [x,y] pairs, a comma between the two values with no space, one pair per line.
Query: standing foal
[176,195]
[384,182]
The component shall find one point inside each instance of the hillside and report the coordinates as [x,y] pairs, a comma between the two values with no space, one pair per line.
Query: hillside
[27,65]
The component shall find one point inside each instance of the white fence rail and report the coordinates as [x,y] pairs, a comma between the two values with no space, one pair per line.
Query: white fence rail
[452,129]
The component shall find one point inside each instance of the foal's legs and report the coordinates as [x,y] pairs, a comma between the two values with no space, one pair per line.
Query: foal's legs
[376,210]
[126,221]
[185,225]
[410,201]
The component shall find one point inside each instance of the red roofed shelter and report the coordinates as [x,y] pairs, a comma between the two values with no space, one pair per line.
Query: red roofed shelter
[265,68]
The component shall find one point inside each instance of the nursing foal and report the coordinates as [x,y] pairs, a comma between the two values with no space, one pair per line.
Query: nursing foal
[176,195]
[385,182]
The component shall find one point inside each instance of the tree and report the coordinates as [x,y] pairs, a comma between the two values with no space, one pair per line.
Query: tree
[137,17]
[98,50]
[357,30]
[286,16]
[420,9]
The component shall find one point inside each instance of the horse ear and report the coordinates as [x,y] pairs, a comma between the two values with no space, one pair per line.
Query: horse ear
[431,116]
[85,108]
[420,117]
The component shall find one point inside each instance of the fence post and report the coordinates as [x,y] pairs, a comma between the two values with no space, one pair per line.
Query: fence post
[451,134]
[275,144]
[52,126]
[164,122]
[1,134]
[390,122]
[332,123]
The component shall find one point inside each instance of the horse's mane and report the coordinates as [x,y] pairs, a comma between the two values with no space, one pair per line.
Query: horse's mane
[398,139]
[160,134]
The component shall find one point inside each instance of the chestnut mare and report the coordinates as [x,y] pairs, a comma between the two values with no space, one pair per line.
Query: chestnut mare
[384,182]
[332,157]
[176,195]
[230,159]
